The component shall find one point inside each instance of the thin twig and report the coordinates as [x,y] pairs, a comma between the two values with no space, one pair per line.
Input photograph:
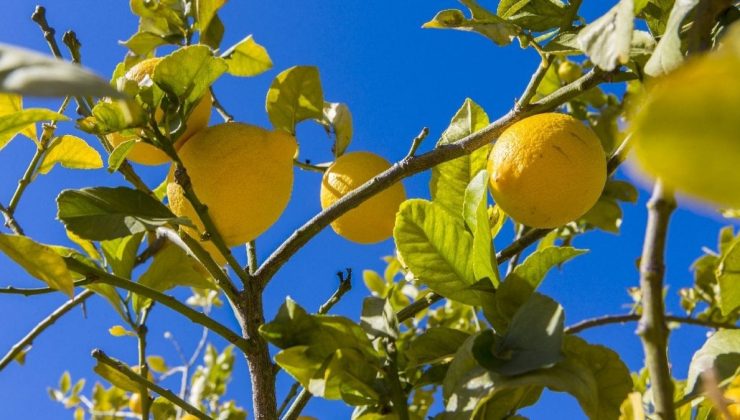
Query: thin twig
[10,221]
[621,319]
[652,327]
[39,16]
[121,367]
[222,279]
[199,318]
[306,166]
[416,164]
[289,397]
[536,79]
[298,405]
[227,117]
[42,326]
[416,142]
[252,256]
[10,290]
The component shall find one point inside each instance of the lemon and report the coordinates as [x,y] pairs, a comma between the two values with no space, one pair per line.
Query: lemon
[144,153]
[373,220]
[188,416]
[569,71]
[243,173]
[733,406]
[547,170]
[134,403]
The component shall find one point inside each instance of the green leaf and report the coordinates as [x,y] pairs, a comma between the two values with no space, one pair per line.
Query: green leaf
[188,72]
[346,375]
[172,267]
[338,119]
[103,213]
[294,96]
[65,382]
[71,152]
[143,42]
[19,121]
[435,345]
[535,15]
[605,215]
[118,155]
[40,261]
[564,43]
[29,73]
[214,34]
[157,364]
[476,218]
[606,41]
[655,13]
[120,253]
[116,378]
[247,58]
[374,283]
[503,404]
[436,248]
[378,318]
[485,23]
[86,246]
[685,132]
[163,409]
[109,117]
[206,11]
[450,179]
[533,340]
[728,278]
[720,352]
[521,283]
[667,55]
[120,331]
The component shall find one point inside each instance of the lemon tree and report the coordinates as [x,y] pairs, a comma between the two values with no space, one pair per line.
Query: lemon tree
[442,331]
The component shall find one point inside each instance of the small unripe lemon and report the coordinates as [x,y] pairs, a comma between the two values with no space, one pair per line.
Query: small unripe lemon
[243,173]
[569,71]
[547,170]
[144,153]
[373,220]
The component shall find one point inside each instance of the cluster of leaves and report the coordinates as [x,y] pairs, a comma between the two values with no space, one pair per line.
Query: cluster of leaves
[205,390]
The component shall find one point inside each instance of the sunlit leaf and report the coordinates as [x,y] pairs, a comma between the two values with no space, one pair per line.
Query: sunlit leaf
[294,96]
[19,121]
[116,378]
[535,15]
[667,55]
[86,246]
[11,103]
[606,41]
[475,213]
[120,331]
[247,58]
[118,155]
[71,152]
[435,345]
[206,11]
[188,72]
[103,213]
[728,278]
[720,352]
[338,119]
[40,261]
[485,23]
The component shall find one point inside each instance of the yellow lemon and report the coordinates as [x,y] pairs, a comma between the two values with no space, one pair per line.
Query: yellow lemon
[243,173]
[188,416]
[373,220]
[547,170]
[733,394]
[144,153]
[134,403]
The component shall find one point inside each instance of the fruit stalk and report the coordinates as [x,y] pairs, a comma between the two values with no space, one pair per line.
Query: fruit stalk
[652,327]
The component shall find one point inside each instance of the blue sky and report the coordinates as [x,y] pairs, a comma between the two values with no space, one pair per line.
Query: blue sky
[396,78]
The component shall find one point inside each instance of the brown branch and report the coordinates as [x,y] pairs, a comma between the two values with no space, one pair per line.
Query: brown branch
[413,165]
[621,319]
[42,326]
[10,221]
[142,380]
[652,327]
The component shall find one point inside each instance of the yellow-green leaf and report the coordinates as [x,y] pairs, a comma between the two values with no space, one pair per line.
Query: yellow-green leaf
[157,364]
[247,58]
[12,124]
[295,95]
[119,331]
[39,260]
[86,246]
[10,103]
[71,152]
[686,132]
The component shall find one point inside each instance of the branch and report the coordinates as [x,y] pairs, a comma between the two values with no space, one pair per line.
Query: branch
[10,290]
[141,332]
[42,326]
[121,367]
[306,166]
[416,164]
[652,328]
[621,319]
[227,117]
[535,81]
[223,280]
[97,275]
[10,221]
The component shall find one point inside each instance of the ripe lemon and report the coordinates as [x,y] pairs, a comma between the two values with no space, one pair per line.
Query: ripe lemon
[733,406]
[547,170]
[243,173]
[373,220]
[144,153]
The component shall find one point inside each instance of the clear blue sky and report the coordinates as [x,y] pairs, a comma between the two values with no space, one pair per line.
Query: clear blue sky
[396,79]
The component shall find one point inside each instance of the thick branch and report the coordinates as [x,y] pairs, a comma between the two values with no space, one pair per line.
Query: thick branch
[42,326]
[98,275]
[416,164]
[652,327]
[121,367]
[621,319]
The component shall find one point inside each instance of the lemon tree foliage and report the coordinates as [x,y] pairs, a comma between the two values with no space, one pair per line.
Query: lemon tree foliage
[495,343]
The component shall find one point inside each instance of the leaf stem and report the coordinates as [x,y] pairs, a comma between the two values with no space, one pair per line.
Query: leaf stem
[416,142]
[652,327]
[142,380]
[309,167]
[42,326]
[227,117]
